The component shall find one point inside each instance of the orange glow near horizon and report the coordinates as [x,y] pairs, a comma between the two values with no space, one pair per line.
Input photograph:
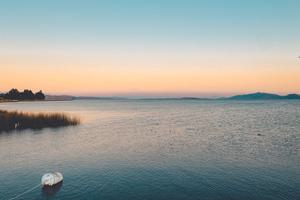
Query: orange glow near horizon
[177,75]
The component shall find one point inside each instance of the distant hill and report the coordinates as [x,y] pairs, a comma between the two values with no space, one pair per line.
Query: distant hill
[59,98]
[263,96]
[98,98]
[292,96]
[252,96]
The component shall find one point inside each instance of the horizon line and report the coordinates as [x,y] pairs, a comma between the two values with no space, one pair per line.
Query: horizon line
[168,96]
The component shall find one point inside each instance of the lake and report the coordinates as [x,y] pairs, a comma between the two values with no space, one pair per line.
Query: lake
[158,149]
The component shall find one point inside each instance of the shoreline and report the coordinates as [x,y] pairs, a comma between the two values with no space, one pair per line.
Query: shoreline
[7,101]
[15,101]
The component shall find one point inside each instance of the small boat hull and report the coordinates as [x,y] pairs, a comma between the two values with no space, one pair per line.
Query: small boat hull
[49,191]
[51,179]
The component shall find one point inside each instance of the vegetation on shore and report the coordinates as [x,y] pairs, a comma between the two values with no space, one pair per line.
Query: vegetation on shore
[14,120]
[26,95]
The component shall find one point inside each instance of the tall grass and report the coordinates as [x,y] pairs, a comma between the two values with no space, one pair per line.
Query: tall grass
[13,120]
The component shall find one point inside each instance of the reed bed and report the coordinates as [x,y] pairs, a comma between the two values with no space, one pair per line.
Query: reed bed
[14,120]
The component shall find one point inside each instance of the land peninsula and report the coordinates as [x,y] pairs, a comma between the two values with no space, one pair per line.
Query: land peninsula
[16,120]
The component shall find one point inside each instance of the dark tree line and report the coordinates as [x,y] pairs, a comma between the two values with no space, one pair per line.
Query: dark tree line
[14,94]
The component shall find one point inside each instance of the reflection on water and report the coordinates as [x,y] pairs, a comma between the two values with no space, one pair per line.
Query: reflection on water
[50,191]
[141,149]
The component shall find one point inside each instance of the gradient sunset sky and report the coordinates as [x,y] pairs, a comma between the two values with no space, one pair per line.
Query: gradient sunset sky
[150,48]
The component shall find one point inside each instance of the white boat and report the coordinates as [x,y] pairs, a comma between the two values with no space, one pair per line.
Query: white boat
[50,179]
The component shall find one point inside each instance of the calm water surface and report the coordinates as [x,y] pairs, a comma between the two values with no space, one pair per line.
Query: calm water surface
[139,149]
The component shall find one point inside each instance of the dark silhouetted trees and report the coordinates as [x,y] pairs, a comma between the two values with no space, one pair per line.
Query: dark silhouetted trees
[14,94]
[39,95]
[27,95]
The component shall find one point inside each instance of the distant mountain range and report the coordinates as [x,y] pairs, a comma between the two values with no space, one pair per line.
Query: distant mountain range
[252,96]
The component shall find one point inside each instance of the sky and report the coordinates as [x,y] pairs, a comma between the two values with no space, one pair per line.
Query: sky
[150,48]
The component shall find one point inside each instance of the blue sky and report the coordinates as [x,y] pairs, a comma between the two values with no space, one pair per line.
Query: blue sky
[216,22]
